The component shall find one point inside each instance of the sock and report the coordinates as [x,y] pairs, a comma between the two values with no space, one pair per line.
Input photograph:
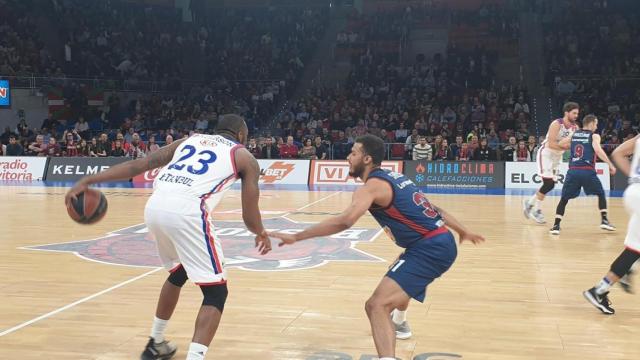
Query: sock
[533,200]
[558,219]
[196,351]
[603,215]
[398,316]
[603,286]
[157,330]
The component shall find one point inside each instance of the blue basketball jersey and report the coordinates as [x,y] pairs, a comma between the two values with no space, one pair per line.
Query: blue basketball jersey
[583,156]
[410,217]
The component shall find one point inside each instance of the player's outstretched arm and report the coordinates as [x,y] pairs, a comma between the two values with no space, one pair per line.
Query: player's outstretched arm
[126,170]
[621,153]
[601,154]
[249,171]
[360,203]
[457,226]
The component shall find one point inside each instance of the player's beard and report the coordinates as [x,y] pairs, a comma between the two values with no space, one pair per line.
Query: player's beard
[358,170]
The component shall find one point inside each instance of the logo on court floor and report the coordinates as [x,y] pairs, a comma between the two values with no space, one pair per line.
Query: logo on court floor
[134,246]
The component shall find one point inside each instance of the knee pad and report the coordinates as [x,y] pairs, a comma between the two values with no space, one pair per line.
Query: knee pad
[214,295]
[623,263]
[178,277]
[547,185]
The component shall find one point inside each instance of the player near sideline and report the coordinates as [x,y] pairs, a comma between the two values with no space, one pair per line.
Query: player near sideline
[200,170]
[411,221]
[621,267]
[549,158]
[585,146]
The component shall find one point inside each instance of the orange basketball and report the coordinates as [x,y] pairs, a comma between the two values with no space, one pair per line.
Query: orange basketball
[88,208]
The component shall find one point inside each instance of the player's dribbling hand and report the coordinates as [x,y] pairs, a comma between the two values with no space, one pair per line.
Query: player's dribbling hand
[286,239]
[79,187]
[263,243]
[474,238]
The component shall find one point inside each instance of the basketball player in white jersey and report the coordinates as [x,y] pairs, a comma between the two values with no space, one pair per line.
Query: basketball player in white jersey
[558,140]
[621,267]
[196,173]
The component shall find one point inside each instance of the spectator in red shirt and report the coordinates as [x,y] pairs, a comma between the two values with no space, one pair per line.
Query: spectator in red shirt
[38,148]
[53,149]
[70,148]
[289,150]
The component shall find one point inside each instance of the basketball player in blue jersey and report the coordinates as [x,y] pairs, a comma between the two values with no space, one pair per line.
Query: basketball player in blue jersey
[621,267]
[411,221]
[195,174]
[585,146]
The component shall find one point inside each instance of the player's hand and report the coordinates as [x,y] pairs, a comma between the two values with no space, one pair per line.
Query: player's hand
[474,238]
[286,239]
[263,243]
[565,143]
[72,194]
[612,170]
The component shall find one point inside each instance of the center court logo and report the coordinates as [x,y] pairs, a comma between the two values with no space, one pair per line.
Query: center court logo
[277,171]
[134,246]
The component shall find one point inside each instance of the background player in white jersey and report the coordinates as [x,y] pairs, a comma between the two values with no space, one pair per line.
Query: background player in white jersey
[198,171]
[620,268]
[549,157]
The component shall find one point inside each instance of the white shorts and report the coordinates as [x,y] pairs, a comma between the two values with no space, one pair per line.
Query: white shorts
[548,163]
[632,203]
[185,237]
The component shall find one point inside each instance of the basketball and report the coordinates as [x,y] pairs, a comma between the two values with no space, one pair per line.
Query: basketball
[89,207]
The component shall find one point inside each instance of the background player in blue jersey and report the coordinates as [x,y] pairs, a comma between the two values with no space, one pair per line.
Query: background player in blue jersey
[585,145]
[410,220]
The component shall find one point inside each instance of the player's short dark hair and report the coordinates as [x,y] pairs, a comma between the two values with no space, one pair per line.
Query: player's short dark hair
[372,146]
[13,137]
[570,106]
[231,124]
[588,119]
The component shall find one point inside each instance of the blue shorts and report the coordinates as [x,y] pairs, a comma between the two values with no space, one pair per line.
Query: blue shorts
[423,262]
[578,179]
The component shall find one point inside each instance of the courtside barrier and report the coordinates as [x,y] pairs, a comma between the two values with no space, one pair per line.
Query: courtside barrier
[279,172]
[336,172]
[524,175]
[456,174]
[73,168]
[22,168]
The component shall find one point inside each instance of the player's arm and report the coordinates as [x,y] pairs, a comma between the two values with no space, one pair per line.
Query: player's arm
[126,170]
[457,226]
[360,203]
[601,154]
[552,136]
[249,172]
[621,155]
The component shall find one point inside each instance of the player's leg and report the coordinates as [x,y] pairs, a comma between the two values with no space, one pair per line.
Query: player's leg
[547,169]
[201,255]
[387,296]
[399,318]
[158,347]
[598,295]
[594,187]
[408,277]
[570,190]
[214,298]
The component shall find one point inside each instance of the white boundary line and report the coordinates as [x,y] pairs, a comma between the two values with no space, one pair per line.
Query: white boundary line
[68,306]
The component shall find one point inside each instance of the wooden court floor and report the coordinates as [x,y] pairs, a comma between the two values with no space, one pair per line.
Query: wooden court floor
[518,296]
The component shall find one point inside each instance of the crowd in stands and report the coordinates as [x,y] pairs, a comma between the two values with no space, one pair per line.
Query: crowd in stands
[596,62]
[21,51]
